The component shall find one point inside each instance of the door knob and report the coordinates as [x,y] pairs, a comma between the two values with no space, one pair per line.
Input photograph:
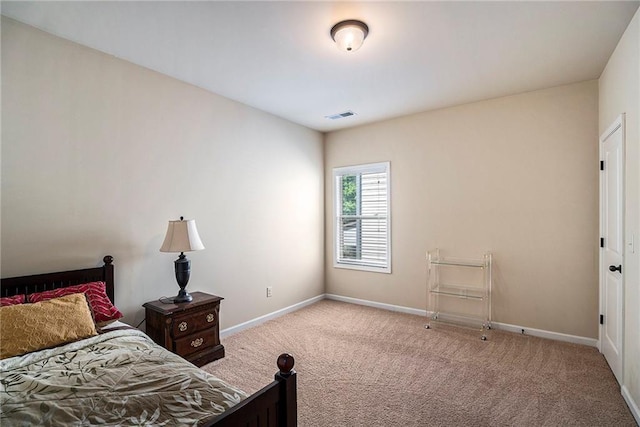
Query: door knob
[614,268]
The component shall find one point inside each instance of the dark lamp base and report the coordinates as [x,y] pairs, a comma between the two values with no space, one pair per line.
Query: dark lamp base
[183,296]
[183,271]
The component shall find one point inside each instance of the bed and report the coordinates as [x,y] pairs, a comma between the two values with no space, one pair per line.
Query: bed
[121,377]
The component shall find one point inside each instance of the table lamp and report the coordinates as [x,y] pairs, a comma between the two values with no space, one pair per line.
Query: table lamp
[182,236]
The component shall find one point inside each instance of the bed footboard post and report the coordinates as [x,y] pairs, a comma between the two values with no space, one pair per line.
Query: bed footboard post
[288,415]
[108,277]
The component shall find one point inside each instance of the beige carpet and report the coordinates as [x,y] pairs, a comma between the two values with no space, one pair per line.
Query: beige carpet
[360,366]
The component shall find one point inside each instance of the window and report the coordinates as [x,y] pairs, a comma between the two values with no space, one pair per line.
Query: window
[362,222]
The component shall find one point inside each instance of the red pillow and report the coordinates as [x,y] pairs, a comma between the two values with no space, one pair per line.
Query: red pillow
[96,292]
[16,299]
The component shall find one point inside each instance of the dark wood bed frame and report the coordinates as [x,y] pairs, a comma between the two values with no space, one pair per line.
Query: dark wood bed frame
[273,406]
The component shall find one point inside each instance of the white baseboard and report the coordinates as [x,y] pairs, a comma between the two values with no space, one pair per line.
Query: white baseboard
[633,406]
[258,320]
[502,326]
[382,305]
[592,342]
[575,339]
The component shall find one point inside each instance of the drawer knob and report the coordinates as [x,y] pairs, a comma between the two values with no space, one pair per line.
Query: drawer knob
[210,317]
[182,326]
[197,342]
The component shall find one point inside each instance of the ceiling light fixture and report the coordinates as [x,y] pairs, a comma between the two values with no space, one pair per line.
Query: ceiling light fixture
[350,34]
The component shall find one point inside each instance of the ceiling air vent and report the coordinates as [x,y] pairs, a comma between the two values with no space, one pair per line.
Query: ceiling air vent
[340,115]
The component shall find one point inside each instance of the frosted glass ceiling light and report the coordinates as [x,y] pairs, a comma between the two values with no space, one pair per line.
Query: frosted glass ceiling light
[350,34]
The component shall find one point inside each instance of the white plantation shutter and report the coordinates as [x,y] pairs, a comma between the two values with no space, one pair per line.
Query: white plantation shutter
[362,231]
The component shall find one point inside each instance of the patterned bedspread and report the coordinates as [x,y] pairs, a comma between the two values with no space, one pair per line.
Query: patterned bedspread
[118,378]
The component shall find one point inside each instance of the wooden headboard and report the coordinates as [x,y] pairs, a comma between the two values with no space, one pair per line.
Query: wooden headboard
[60,279]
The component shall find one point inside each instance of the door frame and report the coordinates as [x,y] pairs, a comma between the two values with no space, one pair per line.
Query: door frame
[619,122]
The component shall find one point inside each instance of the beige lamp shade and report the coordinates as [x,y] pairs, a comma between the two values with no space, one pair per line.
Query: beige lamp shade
[182,236]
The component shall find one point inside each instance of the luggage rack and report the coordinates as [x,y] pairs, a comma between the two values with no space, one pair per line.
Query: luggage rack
[471,290]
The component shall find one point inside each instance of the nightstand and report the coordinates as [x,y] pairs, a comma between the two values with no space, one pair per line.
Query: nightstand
[189,329]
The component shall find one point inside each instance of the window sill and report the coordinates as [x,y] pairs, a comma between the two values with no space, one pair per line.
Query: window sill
[386,270]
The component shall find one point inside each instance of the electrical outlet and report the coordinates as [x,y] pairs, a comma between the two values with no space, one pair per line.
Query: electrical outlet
[269,291]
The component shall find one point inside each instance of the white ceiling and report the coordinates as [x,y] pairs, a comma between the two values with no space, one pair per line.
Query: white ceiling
[279,56]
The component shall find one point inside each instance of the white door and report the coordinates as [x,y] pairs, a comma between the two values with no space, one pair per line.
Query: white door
[612,245]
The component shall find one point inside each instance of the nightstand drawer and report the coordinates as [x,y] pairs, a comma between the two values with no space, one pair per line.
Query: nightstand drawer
[193,322]
[196,342]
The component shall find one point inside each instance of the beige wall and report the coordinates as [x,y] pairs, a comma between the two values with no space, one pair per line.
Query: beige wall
[620,93]
[98,154]
[515,175]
